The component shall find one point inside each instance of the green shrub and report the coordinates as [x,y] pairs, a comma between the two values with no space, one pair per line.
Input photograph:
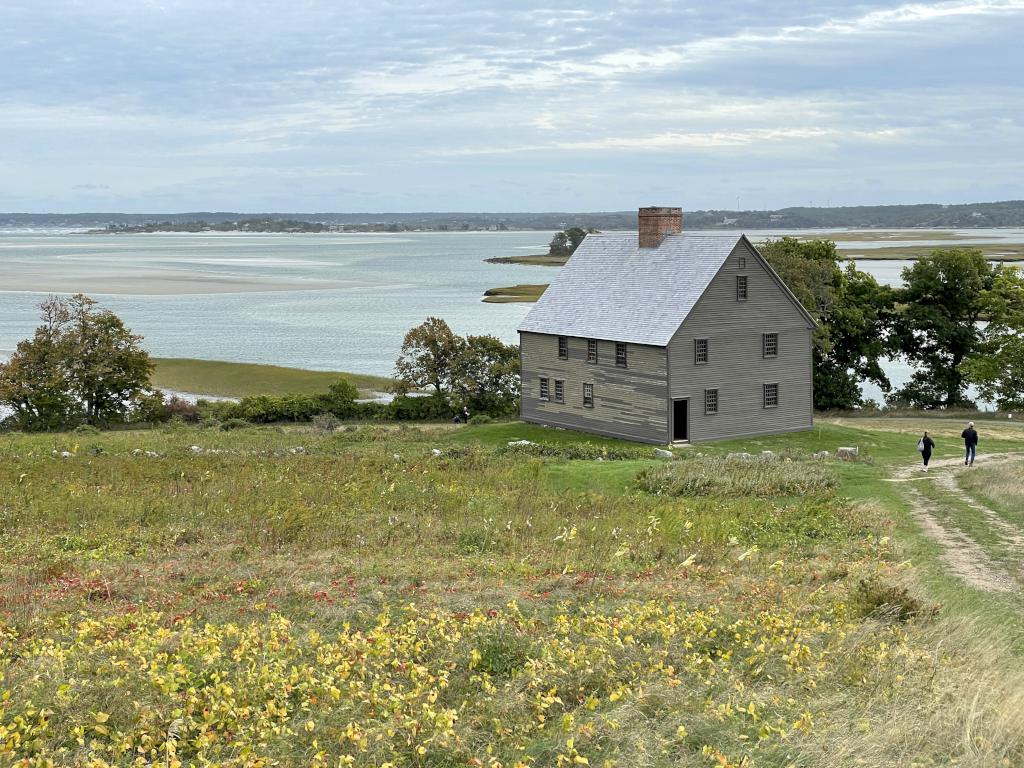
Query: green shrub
[888,602]
[576,451]
[480,418]
[432,408]
[716,476]
[86,429]
[230,424]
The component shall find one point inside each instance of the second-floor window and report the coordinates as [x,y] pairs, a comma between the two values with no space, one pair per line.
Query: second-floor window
[741,287]
[559,391]
[563,348]
[620,354]
[700,351]
[591,350]
[770,344]
[588,395]
[543,389]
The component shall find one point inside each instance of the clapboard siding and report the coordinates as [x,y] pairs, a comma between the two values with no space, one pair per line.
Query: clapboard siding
[628,402]
[736,366]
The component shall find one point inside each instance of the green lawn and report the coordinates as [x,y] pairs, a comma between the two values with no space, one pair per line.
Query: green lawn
[223,379]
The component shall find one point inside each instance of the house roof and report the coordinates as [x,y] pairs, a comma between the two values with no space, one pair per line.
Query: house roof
[612,289]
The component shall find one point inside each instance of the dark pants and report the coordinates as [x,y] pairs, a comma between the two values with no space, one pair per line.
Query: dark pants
[969,457]
[926,455]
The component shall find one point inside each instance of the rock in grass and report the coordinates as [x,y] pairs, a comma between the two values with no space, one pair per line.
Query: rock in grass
[513,443]
[661,453]
[847,452]
[435,451]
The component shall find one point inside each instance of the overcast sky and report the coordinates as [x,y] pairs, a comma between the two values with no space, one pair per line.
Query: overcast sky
[320,105]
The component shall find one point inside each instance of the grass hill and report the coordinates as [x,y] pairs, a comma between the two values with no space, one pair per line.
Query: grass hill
[431,596]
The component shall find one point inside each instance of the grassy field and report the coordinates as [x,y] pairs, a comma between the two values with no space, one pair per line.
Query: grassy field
[430,596]
[215,377]
[524,293]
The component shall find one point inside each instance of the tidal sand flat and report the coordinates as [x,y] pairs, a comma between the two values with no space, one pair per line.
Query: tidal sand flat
[143,281]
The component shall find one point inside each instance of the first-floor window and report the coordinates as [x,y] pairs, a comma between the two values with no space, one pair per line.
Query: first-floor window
[563,348]
[588,395]
[710,401]
[544,389]
[559,391]
[620,354]
[771,395]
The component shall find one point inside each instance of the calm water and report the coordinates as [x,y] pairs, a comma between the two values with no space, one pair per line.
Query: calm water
[384,285]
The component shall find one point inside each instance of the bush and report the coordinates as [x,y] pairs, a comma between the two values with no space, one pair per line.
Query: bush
[431,408]
[480,418]
[86,429]
[577,451]
[325,422]
[231,424]
[888,602]
[716,476]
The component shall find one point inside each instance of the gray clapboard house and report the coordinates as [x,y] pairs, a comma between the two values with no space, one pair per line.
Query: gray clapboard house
[664,336]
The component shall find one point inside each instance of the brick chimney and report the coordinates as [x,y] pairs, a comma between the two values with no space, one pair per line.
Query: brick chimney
[656,222]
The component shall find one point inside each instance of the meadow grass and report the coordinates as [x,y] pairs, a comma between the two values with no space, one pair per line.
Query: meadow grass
[192,596]
[1000,486]
[223,379]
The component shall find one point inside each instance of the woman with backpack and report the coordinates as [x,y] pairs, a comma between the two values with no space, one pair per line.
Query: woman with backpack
[925,445]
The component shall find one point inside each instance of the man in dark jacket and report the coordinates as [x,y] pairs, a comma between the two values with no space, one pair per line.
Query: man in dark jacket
[970,436]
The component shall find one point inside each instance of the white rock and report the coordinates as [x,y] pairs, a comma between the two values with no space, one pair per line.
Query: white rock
[738,456]
[65,454]
[435,451]
[519,442]
[195,449]
[822,455]
[663,454]
[137,452]
[767,454]
[847,452]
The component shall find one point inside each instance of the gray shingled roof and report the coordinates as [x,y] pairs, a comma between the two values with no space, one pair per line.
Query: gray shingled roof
[611,289]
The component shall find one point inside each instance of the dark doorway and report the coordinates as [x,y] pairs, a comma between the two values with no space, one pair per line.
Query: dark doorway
[680,427]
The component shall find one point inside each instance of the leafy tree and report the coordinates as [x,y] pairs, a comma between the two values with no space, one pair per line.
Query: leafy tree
[997,365]
[428,356]
[936,324]
[566,242]
[486,375]
[853,312]
[82,364]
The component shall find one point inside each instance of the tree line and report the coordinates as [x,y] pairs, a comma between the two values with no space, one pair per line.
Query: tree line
[957,318]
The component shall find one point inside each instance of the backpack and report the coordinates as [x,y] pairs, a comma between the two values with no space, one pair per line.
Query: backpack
[920,445]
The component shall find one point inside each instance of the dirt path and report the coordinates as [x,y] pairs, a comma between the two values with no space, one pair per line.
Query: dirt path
[960,553]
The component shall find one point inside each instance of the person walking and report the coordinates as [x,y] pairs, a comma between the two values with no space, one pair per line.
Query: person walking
[925,445]
[970,436]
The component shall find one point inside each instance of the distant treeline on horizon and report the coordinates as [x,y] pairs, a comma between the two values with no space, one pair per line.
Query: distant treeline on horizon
[1008,213]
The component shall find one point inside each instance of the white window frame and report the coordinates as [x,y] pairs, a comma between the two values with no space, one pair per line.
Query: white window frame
[545,388]
[775,394]
[592,351]
[559,390]
[588,395]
